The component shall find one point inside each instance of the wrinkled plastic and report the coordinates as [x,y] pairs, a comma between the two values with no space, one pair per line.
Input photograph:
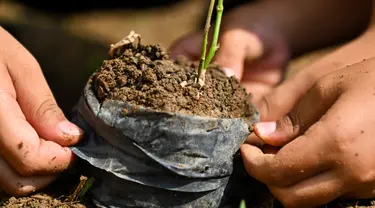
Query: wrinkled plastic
[145,158]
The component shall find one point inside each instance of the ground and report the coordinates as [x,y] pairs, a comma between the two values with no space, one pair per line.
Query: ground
[91,34]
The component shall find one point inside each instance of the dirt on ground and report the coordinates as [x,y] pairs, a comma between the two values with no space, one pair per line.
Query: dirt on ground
[143,75]
[66,192]
[40,200]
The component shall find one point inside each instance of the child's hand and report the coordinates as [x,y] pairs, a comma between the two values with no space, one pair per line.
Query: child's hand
[327,142]
[34,133]
[320,148]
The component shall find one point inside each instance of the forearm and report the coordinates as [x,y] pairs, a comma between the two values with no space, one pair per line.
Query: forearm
[351,53]
[305,25]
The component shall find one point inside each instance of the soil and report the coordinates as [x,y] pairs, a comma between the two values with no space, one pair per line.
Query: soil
[40,201]
[143,75]
[55,195]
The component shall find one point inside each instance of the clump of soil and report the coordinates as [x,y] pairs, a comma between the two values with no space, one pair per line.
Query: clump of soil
[143,75]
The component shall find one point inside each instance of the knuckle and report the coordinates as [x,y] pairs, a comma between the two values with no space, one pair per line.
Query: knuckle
[47,108]
[264,106]
[26,164]
[362,176]
[318,89]
[290,124]
[342,145]
[322,88]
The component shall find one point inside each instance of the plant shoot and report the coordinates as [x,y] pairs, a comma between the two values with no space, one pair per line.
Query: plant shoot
[206,59]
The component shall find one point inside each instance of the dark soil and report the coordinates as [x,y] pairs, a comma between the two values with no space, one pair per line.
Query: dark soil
[143,75]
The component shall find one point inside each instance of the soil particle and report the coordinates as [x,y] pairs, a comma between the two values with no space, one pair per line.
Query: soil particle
[20,145]
[143,75]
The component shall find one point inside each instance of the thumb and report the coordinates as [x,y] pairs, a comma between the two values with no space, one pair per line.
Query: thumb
[309,109]
[50,123]
[281,100]
[276,104]
[236,47]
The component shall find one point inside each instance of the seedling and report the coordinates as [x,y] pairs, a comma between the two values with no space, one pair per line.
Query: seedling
[206,59]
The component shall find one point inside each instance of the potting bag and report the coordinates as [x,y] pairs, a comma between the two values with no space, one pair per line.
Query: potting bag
[144,158]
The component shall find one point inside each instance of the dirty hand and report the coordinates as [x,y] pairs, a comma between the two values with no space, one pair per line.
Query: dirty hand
[327,142]
[257,59]
[34,132]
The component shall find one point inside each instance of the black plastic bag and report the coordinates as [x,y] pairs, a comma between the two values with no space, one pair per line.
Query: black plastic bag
[144,158]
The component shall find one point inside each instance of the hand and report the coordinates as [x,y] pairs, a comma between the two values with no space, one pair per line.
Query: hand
[34,133]
[327,142]
[257,59]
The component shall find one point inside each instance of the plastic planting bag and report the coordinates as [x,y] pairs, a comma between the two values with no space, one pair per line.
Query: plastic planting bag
[143,158]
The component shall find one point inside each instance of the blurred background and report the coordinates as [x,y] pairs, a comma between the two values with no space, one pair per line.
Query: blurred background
[70,39]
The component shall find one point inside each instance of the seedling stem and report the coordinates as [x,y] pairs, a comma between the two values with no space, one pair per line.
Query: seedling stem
[206,60]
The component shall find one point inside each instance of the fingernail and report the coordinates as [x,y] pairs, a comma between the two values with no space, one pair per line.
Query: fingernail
[264,129]
[69,128]
[228,71]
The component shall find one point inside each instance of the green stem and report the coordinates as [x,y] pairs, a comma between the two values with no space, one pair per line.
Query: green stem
[242,204]
[215,39]
[205,40]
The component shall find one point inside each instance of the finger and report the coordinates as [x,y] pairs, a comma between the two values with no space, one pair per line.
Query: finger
[313,192]
[302,158]
[188,46]
[281,100]
[17,185]
[34,96]
[237,46]
[267,129]
[20,144]
[267,70]
[255,141]
[308,110]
